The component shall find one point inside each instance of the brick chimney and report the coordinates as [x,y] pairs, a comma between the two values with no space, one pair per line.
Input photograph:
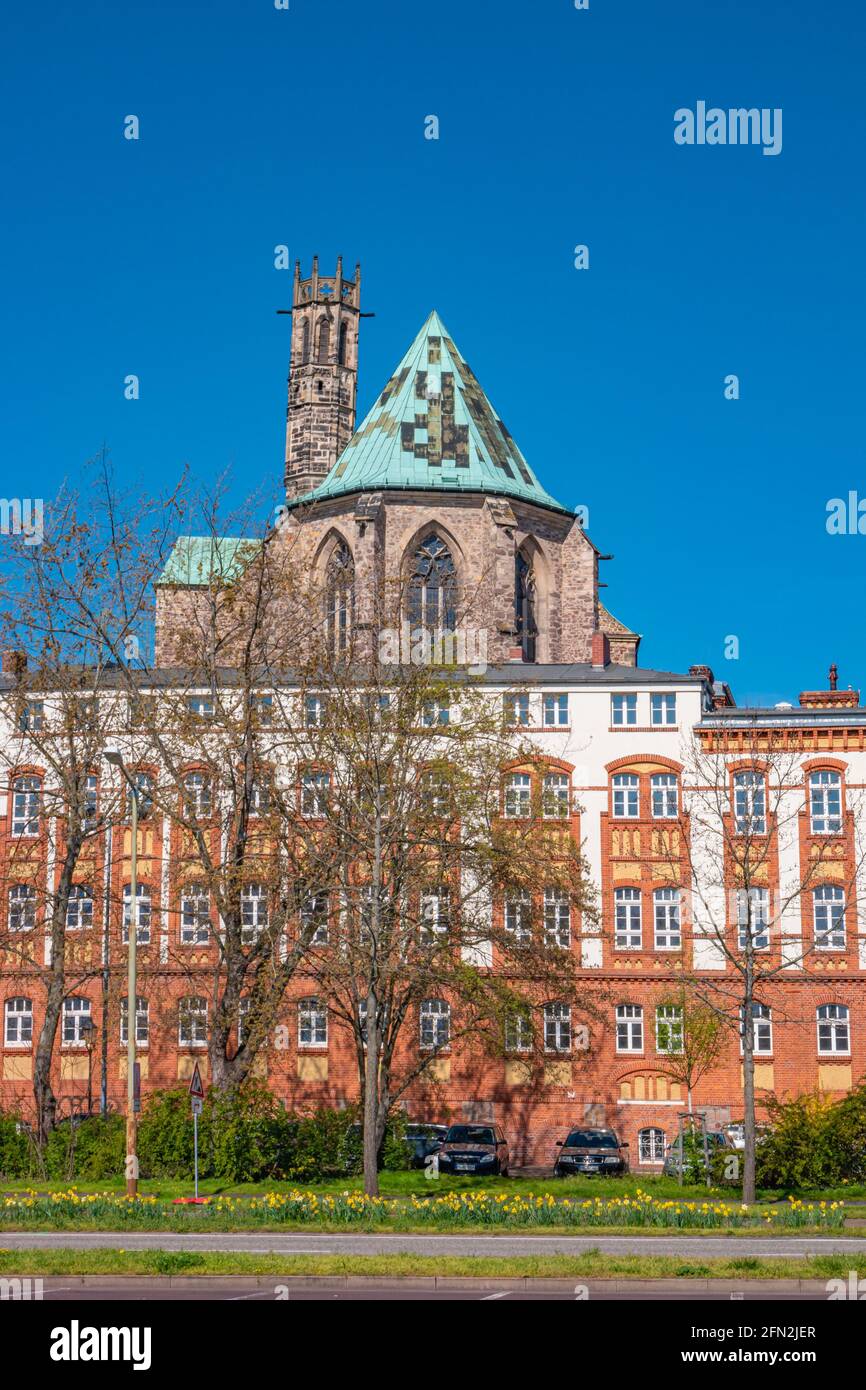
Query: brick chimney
[14,663]
[832,698]
[600,651]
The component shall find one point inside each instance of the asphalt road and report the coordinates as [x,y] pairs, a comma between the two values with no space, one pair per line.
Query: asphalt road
[302,1243]
[235,1289]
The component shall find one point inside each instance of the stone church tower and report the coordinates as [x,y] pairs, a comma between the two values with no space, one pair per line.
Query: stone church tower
[323,374]
[429,495]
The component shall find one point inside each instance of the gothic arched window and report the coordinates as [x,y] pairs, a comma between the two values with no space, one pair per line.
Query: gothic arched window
[305,342]
[525,625]
[324,341]
[344,343]
[432,597]
[339,594]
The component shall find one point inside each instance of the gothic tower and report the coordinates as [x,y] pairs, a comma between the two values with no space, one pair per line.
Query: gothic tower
[323,374]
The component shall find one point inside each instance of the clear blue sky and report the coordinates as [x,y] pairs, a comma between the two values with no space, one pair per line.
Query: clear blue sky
[261,126]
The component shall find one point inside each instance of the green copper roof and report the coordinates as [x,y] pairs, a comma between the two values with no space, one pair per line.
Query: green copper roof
[196,560]
[432,427]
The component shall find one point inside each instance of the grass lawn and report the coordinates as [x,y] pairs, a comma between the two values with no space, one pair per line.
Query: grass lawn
[414,1183]
[589,1265]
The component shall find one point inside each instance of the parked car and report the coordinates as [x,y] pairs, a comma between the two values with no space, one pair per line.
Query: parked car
[694,1151]
[590,1151]
[480,1149]
[736,1135]
[424,1140]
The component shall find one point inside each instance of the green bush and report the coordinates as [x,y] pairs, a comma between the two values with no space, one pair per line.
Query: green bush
[15,1153]
[89,1150]
[814,1143]
[165,1137]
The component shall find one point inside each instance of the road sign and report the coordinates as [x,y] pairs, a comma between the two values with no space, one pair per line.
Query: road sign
[197,1105]
[195,1086]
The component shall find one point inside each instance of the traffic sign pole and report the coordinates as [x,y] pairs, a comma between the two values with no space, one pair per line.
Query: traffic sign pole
[196,1092]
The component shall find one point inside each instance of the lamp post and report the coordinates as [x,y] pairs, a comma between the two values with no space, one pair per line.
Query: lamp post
[112,756]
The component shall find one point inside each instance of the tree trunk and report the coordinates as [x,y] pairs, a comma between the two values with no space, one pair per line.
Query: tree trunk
[371,1101]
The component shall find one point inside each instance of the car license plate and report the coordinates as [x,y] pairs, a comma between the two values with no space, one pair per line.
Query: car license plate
[463,1167]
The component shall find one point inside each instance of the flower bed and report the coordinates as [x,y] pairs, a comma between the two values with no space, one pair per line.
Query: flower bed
[109,1211]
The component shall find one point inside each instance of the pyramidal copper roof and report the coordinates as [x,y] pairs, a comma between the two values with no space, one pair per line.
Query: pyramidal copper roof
[432,428]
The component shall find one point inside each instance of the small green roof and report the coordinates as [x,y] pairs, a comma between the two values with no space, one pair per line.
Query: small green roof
[432,427]
[197,560]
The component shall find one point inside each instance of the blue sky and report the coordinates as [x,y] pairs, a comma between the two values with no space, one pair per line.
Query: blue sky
[306,127]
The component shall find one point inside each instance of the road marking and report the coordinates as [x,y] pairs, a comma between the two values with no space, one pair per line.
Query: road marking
[489,1297]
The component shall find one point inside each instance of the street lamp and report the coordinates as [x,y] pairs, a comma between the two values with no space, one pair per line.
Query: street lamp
[113,757]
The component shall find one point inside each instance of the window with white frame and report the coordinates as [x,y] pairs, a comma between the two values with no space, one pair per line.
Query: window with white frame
[262,710]
[31,720]
[144,785]
[202,706]
[91,810]
[663,709]
[314,711]
[22,907]
[666,919]
[315,787]
[750,803]
[79,907]
[142,914]
[437,792]
[243,1010]
[557,918]
[19,1022]
[554,795]
[142,1021]
[192,1021]
[833,1028]
[435,1023]
[753,918]
[669,1029]
[518,794]
[651,1145]
[825,802]
[623,710]
[626,805]
[195,915]
[518,1033]
[762,1029]
[557,1027]
[518,918]
[198,797]
[515,710]
[555,711]
[260,795]
[312,1023]
[829,912]
[435,712]
[434,906]
[664,797]
[76,1021]
[254,911]
[315,911]
[627,919]
[629,1028]
[26,805]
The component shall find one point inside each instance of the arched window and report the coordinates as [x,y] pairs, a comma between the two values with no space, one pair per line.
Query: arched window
[435,1023]
[339,596]
[324,342]
[825,802]
[192,1021]
[833,1029]
[762,1029]
[19,1022]
[432,599]
[344,344]
[142,1021]
[651,1145]
[305,342]
[525,625]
